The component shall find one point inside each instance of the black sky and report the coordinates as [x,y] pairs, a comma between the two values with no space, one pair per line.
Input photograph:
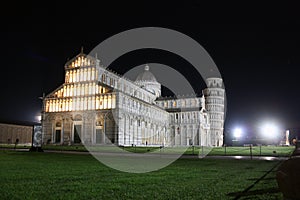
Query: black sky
[256,48]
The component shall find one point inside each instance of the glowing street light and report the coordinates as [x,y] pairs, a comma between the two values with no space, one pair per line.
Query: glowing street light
[38,118]
[270,130]
[237,133]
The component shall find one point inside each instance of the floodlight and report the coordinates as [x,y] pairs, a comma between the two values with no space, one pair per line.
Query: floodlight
[270,130]
[237,133]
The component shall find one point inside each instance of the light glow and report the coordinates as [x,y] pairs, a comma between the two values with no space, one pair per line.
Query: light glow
[269,130]
[238,157]
[237,133]
[38,118]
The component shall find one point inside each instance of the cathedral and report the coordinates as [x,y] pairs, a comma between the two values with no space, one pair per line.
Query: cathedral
[98,107]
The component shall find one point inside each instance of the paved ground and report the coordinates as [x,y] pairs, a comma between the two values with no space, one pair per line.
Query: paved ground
[249,158]
[162,155]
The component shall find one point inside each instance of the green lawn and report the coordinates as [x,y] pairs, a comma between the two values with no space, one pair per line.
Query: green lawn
[33,175]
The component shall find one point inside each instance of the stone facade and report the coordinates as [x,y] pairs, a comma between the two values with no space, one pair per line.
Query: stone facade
[96,106]
[10,132]
[214,98]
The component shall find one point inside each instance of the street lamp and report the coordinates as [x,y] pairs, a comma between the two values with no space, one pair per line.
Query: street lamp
[269,130]
[237,133]
[38,118]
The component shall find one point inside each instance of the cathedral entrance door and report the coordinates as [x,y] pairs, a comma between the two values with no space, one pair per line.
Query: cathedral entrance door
[77,133]
[99,136]
[57,136]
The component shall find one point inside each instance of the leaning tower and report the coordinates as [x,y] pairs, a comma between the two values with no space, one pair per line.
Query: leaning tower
[214,104]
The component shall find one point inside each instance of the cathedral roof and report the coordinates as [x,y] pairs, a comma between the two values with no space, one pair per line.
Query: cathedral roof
[81,60]
[146,75]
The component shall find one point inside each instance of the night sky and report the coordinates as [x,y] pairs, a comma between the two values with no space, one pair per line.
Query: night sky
[256,48]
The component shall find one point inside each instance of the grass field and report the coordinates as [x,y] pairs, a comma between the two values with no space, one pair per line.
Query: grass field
[33,175]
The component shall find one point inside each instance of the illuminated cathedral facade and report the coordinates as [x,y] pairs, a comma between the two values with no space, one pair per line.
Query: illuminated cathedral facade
[98,107]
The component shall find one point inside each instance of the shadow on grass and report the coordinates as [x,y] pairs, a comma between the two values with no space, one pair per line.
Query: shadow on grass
[254,192]
[249,192]
[265,179]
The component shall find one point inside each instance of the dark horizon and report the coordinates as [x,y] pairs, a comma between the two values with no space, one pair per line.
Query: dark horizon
[256,51]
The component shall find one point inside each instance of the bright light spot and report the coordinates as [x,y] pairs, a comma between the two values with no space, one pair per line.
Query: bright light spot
[237,132]
[238,157]
[268,158]
[270,130]
[38,118]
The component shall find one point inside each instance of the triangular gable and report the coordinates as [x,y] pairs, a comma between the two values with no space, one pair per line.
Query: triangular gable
[80,60]
[58,92]
[54,93]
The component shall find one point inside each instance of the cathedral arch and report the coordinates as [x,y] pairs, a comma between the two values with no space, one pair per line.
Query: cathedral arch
[78,117]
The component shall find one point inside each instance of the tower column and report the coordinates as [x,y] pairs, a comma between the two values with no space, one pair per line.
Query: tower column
[214,103]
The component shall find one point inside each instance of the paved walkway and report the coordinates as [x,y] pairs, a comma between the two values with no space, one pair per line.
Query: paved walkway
[249,158]
[269,158]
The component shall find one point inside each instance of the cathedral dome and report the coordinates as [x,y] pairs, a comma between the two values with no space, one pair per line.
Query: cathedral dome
[148,81]
[146,75]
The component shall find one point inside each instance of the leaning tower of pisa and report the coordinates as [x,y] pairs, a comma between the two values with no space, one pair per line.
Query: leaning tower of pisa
[214,104]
